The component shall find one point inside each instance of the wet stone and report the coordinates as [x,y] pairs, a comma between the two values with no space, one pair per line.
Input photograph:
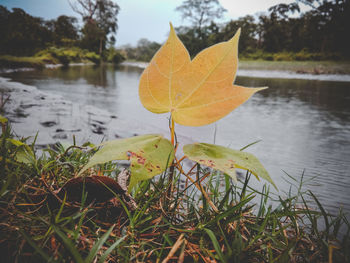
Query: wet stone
[60,136]
[26,106]
[97,129]
[48,123]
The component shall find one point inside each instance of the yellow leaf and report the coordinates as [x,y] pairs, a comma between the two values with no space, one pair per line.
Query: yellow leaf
[157,81]
[196,92]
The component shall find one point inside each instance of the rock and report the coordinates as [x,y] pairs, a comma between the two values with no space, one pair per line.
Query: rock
[48,123]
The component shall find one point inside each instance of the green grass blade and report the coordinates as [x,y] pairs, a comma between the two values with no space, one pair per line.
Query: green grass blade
[68,245]
[97,246]
[325,215]
[110,249]
[215,244]
[57,218]
[36,247]
[250,144]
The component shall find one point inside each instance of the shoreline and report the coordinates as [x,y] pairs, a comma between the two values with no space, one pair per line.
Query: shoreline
[62,119]
[280,69]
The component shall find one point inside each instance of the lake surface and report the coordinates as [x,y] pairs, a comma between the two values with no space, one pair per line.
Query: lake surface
[303,125]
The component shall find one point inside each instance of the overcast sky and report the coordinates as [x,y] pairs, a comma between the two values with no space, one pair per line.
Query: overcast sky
[142,18]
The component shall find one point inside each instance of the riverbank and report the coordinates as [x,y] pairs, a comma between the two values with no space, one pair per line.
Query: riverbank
[300,67]
[307,111]
[158,225]
[50,56]
[58,216]
[24,106]
[59,56]
[310,70]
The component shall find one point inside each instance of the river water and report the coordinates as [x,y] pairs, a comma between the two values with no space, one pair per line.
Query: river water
[303,124]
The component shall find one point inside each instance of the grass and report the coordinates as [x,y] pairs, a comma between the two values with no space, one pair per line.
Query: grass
[64,56]
[7,61]
[204,217]
[51,55]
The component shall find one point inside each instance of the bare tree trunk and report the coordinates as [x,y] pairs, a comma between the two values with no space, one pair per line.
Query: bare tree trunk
[100,50]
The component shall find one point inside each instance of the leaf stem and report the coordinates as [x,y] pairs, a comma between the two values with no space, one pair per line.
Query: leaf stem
[172,130]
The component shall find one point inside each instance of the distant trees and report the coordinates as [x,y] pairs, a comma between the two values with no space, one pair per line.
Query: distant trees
[322,30]
[249,35]
[201,14]
[144,50]
[65,30]
[21,33]
[100,21]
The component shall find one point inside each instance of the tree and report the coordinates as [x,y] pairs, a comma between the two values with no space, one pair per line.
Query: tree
[247,40]
[146,49]
[21,33]
[64,30]
[201,12]
[100,18]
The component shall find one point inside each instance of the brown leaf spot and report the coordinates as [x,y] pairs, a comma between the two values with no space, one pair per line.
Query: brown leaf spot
[139,158]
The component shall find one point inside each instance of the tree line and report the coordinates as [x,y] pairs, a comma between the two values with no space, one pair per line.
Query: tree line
[25,35]
[320,33]
[281,33]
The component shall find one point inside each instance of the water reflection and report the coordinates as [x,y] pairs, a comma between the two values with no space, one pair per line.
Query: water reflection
[329,96]
[303,124]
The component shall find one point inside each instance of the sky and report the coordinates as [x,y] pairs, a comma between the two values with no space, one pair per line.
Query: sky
[142,18]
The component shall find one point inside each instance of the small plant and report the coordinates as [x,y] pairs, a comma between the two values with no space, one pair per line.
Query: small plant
[196,93]
[48,214]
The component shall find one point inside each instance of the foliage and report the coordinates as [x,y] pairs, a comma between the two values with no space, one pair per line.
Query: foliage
[100,18]
[68,55]
[196,93]
[144,51]
[114,56]
[202,220]
[58,40]
[92,56]
[64,30]
[7,61]
[200,12]
[226,160]
[318,31]
[21,34]
[199,215]
[149,155]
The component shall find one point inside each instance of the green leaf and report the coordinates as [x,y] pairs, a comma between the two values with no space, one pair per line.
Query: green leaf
[3,119]
[225,159]
[149,155]
[24,153]
[16,142]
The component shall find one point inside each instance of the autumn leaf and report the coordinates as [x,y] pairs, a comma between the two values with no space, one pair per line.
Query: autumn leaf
[196,92]
[149,155]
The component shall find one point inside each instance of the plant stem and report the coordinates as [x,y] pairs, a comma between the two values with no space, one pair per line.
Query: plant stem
[172,167]
[172,130]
